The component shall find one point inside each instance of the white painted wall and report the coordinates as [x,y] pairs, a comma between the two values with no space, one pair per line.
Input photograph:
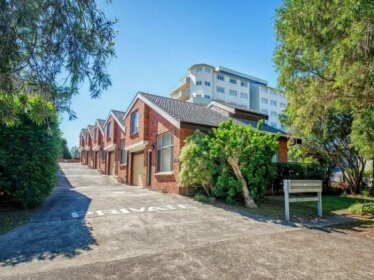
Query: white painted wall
[205,73]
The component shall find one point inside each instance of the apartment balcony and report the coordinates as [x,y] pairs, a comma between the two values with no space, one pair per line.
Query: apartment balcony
[182,91]
[182,95]
[199,100]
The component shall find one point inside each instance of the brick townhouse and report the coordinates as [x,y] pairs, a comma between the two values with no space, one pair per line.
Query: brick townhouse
[82,145]
[97,145]
[114,132]
[88,147]
[143,144]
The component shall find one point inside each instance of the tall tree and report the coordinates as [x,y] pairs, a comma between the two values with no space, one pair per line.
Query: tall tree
[325,59]
[65,149]
[48,48]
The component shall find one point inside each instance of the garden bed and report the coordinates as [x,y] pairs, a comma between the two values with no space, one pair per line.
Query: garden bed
[332,205]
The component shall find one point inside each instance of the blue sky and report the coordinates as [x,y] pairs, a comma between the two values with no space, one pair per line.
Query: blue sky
[158,40]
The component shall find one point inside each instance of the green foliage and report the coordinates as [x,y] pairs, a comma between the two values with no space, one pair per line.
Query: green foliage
[197,166]
[65,150]
[227,186]
[203,198]
[28,160]
[365,208]
[48,48]
[325,60]
[298,171]
[254,149]
[205,161]
[365,192]
[363,133]
[75,153]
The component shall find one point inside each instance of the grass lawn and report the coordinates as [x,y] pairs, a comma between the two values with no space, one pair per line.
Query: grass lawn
[10,219]
[331,205]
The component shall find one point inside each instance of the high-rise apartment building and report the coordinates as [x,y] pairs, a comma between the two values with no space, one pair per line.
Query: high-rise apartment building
[204,83]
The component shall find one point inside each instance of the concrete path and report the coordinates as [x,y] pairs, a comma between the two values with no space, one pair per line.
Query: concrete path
[95,228]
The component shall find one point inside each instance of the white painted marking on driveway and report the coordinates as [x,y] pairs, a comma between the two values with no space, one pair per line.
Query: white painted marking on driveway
[131,210]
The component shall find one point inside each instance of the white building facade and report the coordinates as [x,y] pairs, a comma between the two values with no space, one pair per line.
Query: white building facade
[204,83]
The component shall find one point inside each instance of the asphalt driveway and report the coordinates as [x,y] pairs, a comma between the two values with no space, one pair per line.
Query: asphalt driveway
[92,227]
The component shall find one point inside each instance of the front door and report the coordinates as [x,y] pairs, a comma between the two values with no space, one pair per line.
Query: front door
[111,163]
[97,160]
[137,169]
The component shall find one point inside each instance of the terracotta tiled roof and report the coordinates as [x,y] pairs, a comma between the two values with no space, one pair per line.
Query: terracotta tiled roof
[196,114]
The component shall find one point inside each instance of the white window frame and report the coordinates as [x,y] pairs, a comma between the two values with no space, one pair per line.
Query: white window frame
[109,130]
[218,88]
[134,126]
[160,147]
[220,77]
[123,153]
[233,92]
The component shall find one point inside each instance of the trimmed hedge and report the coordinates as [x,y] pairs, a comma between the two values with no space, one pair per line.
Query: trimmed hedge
[28,161]
[297,171]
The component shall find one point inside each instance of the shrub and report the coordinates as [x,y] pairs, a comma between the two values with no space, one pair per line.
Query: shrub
[296,171]
[197,168]
[244,157]
[28,164]
[366,208]
[203,198]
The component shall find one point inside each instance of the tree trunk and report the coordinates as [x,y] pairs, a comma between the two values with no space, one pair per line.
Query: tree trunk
[248,201]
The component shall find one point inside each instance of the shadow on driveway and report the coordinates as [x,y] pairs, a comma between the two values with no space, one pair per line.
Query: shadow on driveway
[52,232]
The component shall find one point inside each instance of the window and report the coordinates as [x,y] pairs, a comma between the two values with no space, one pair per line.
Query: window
[282,105]
[207,70]
[123,155]
[243,84]
[233,92]
[233,81]
[165,152]
[244,95]
[273,114]
[220,89]
[207,96]
[264,100]
[207,83]
[109,130]
[273,102]
[134,122]
[264,111]
[199,83]
[96,133]
[198,69]
[220,77]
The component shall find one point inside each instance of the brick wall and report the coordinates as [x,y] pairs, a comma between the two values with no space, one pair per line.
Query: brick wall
[282,150]
[115,138]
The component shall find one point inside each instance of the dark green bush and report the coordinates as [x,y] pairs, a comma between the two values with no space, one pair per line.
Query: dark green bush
[297,171]
[28,161]
[203,198]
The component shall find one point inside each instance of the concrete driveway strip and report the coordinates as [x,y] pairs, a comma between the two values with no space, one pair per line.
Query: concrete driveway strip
[92,227]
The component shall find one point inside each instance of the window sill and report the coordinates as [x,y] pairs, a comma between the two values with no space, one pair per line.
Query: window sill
[164,173]
[123,164]
[136,133]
